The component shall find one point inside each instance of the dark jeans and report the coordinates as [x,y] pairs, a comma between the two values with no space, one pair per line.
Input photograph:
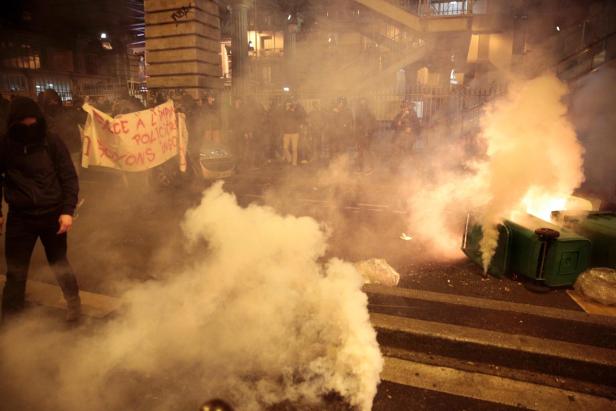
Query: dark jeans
[21,235]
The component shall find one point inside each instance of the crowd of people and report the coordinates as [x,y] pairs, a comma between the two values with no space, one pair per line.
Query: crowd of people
[40,149]
[286,132]
[41,146]
[255,135]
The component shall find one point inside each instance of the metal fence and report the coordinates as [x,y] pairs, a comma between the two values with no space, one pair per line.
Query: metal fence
[430,103]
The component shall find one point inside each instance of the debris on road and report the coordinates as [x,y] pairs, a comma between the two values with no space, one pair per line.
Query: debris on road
[598,284]
[378,271]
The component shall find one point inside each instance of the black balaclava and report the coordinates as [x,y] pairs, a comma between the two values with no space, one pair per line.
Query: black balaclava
[23,107]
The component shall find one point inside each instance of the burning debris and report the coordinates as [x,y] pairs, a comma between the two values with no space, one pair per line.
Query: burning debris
[532,161]
[533,155]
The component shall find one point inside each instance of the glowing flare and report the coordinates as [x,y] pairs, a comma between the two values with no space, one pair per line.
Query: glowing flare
[542,205]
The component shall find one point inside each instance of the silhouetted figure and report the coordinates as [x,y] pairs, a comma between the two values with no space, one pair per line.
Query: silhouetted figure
[316,130]
[291,123]
[4,113]
[406,125]
[41,187]
[62,121]
[365,126]
[211,121]
[340,128]
[273,149]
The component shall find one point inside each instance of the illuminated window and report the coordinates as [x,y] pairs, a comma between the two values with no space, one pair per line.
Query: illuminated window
[20,56]
[448,8]
[61,85]
[97,88]
[13,83]
[452,77]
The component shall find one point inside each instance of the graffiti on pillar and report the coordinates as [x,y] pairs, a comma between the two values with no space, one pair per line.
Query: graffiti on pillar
[181,13]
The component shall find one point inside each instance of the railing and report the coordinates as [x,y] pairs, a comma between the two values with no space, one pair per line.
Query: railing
[575,42]
[427,8]
[586,59]
[461,106]
[274,52]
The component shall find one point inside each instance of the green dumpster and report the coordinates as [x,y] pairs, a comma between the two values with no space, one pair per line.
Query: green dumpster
[600,228]
[533,248]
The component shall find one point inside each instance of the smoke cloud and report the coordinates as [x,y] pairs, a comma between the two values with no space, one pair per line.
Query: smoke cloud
[532,162]
[256,318]
[534,157]
[592,102]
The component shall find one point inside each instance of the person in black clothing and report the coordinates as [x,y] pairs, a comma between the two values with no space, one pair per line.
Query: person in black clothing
[4,112]
[365,125]
[41,187]
[316,130]
[406,125]
[255,144]
[240,124]
[273,118]
[61,121]
[211,121]
[340,128]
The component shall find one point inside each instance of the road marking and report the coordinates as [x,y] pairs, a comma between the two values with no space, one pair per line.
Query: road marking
[534,377]
[490,304]
[523,343]
[489,388]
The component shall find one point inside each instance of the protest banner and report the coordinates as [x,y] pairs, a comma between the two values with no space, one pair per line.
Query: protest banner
[131,142]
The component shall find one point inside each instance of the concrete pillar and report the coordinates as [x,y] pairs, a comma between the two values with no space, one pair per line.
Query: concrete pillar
[239,46]
[182,45]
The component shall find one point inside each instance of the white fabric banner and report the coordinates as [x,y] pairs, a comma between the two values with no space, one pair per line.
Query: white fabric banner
[131,142]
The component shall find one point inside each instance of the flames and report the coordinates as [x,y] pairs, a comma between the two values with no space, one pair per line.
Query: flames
[542,205]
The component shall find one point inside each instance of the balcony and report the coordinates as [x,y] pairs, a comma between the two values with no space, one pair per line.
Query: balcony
[264,53]
[432,8]
[425,15]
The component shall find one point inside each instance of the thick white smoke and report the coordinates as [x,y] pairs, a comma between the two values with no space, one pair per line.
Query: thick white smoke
[257,319]
[592,102]
[534,157]
[532,162]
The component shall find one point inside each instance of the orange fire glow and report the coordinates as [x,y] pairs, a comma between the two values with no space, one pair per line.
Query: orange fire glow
[541,205]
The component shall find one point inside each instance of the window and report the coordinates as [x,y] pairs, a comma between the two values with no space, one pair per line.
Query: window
[13,83]
[448,8]
[20,56]
[88,87]
[61,85]
[453,79]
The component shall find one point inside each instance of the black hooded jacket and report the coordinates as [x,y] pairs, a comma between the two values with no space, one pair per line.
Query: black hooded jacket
[38,176]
